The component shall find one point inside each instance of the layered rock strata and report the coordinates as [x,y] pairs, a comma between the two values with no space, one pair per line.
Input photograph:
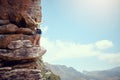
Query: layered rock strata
[19,59]
[23,13]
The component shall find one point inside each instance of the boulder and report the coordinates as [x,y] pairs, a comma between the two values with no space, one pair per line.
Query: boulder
[5,40]
[26,31]
[26,14]
[8,29]
[15,44]
[21,74]
[20,44]
[27,43]
[4,22]
[32,53]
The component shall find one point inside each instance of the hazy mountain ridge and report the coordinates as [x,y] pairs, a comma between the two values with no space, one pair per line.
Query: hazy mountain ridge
[69,73]
[65,73]
[111,74]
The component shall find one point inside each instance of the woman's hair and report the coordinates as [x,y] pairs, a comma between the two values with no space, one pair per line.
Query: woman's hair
[38,31]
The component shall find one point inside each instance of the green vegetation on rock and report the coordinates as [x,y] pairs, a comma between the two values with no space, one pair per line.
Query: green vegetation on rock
[47,73]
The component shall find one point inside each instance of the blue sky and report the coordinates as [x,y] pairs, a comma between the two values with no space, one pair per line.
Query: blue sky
[83,34]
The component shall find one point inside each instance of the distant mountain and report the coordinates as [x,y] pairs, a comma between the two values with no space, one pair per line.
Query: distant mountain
[111,74]
[66,73]
[69,73]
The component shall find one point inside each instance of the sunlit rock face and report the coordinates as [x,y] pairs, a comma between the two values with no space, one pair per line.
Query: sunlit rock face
[18,19]
[6,39]
[19,59]
[21,74]
[23,13]
[21,50]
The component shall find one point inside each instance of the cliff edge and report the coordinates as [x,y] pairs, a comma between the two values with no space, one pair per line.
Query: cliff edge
[19,59]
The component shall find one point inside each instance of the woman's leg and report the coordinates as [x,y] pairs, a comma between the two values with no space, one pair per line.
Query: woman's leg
[34,42]
[38,40]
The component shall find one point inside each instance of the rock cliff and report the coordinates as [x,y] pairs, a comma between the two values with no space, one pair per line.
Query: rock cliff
[19,59]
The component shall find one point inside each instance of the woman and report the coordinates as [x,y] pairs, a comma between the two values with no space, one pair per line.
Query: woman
[37,37]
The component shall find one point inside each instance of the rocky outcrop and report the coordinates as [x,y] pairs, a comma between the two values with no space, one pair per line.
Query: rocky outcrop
[8,29]
[23,13]
[6,39]
[24,31]
[21,74]
[19,59]
[21,50]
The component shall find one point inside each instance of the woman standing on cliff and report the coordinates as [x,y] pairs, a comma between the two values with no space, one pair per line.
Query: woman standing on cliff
[37,37]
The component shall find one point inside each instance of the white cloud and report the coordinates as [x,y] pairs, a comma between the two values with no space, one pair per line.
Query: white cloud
[111,58]
[59,50]
[104,44]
